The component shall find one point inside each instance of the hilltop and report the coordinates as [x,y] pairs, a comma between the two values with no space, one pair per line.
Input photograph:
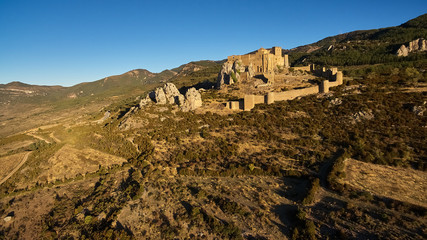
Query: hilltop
[364,46]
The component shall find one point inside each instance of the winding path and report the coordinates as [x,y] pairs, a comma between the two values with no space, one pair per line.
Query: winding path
[24,159]
[38,137]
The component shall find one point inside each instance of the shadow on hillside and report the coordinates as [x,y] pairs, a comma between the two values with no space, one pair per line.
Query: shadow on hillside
[286,214]
[295,190]
[201,85]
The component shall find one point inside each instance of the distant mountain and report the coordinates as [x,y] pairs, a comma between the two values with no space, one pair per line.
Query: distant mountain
[132,82]
[362,47]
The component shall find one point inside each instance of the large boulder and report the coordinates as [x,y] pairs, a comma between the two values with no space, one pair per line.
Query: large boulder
[173,96]
[418,45]
[250,70]
[224,75]
[193,100]
[160,96]
[403,51]
[169,94]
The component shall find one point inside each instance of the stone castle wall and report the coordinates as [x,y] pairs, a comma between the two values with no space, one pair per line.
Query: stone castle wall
[335,78]
[263,60]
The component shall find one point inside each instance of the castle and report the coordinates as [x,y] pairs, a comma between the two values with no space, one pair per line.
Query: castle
[262,63]
[268,63]
[263,60]
[333,76]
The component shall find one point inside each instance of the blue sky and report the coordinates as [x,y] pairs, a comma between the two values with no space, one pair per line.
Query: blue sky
[65,42]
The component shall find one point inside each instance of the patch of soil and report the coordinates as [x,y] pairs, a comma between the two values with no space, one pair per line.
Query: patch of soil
[70,161]
[403,184]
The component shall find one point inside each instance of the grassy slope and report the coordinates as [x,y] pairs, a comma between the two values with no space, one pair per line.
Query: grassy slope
[363,47]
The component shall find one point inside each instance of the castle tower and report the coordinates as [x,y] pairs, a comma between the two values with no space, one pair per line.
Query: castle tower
[277,51]
[286,61]
[270,98]
[248,102]
[339,77]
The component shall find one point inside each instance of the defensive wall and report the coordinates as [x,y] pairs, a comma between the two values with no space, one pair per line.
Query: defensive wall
[263,60]
[335,78]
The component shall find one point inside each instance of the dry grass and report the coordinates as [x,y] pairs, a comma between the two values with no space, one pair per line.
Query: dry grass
[14,145]
[9,163]
[31,208]
[403,184]
[260,197]
[70,161]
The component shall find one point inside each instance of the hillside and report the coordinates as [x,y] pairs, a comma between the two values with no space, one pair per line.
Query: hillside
[99,160]
[362,47]
[42,104]
[136,81]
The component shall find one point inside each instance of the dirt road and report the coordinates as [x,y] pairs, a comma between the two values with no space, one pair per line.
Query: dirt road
[24,159]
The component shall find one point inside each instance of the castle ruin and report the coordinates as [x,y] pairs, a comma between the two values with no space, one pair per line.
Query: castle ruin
[263,63]
[333,78]
[263,60]
[267,65]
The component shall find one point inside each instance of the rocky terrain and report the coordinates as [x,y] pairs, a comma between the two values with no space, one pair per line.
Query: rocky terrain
[418,45]
[157,156]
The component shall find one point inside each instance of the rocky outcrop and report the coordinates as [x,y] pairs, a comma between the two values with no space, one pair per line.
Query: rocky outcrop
[402,51]
[7,219]
[419,110]
[145,101]
[224,76]
[105,117]
[251,71]
[173,96]
[193,100]
[417,45]
[361,116]
[169,94]
[160,96]
[231,72]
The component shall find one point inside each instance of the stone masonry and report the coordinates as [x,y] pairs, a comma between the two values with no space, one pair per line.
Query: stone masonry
[333,76]
[243,67]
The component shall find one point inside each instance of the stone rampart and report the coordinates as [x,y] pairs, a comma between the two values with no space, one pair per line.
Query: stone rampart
[335,78]
[305,68]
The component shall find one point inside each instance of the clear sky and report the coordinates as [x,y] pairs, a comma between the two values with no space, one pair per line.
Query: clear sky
[65,42]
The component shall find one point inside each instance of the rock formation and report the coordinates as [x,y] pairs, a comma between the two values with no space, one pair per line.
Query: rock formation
[417,45]
[173,96]
[419,110]
[224,76]
[250,70]
[193,100]
[169,94]
[402,51]
[145,101]
[160,96]
[361,116]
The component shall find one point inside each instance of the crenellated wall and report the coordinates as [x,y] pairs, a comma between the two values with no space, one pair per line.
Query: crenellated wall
[335,78]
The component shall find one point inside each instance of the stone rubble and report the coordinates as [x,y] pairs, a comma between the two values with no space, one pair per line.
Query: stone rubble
[419,110]
[362,115]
